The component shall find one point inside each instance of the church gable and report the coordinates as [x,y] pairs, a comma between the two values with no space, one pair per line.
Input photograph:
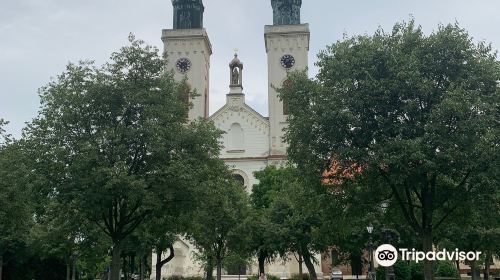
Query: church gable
[246,131]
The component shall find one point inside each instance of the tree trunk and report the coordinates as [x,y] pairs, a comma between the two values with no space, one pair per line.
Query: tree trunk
[310,266]
[1,266]
[142,267]
[473,270]
[68,269]
[210,269]
[301,271]
[487,264]
[125,268]
[73,262]
[160,263]
[219,268]
[427,246]
[132,264]
[115,262]
[262,261]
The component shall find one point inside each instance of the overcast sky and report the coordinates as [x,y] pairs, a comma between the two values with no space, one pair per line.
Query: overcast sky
[39,37]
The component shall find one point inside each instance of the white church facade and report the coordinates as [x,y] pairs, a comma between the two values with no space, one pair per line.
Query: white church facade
[251,141]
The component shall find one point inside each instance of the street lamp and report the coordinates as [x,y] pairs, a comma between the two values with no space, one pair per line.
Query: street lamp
[369,228]
[371,273]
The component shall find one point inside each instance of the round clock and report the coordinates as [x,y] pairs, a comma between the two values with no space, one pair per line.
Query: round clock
[183,65]
[287,61]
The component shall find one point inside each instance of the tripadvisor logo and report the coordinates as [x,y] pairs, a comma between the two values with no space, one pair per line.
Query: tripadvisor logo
[387,255]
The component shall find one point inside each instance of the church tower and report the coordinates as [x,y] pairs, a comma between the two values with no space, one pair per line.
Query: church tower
[188,51]
[287,47]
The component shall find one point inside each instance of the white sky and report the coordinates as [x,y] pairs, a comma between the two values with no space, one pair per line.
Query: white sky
[39,37]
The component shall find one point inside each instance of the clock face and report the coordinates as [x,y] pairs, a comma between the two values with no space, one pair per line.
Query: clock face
[183,65]
[287,61]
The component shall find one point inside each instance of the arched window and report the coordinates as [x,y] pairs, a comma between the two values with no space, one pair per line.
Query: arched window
[239,179]
[236,137]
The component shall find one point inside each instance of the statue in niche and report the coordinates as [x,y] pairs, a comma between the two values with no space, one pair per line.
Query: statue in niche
[286,12]
[185,20]
[188,14]
[235,77]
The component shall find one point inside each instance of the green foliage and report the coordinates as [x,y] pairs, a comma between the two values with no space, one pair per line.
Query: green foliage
[292,216]
[273,277]
[402,117]
[193,278]
[296,276]
[402,271]
[3,136]
[417,270]
[219,226]
[15,197]
[175,277]
[447,269]
[269,277]
[233,263]
[112,144]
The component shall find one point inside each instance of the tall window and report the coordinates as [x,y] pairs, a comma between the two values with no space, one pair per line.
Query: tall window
[235,137]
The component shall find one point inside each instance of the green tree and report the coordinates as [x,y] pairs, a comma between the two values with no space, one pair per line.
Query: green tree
[15,197]
[417,114]
[218,226]
[263,235]
[297,222]
[185,186]
[108,140]
[481,231]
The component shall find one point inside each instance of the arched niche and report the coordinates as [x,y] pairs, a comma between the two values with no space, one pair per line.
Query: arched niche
[236,138]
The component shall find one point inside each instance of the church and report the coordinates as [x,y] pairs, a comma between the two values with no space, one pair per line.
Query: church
[251,141]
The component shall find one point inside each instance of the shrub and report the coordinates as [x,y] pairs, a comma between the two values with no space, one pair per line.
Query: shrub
[447,269]
[296,276]
[402,271]
[193,278]
[417,271]
[175,277]
[269,277]
[272,277]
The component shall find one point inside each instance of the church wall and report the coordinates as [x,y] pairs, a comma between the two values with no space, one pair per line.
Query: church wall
[248,167]
[255,135]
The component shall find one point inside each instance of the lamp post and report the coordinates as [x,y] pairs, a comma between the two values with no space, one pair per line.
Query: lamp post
[371,272]
[388,237]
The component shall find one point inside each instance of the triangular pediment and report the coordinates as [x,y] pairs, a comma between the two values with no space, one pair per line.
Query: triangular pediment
[239,108]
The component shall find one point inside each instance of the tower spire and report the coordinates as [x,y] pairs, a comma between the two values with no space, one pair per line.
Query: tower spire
[188,14]
[286,12]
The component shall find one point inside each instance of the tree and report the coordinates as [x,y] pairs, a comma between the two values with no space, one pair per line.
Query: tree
[218,226]
[417,114]
[263,235]
[110,141]
[481,231]
[15,197]
[297,222]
